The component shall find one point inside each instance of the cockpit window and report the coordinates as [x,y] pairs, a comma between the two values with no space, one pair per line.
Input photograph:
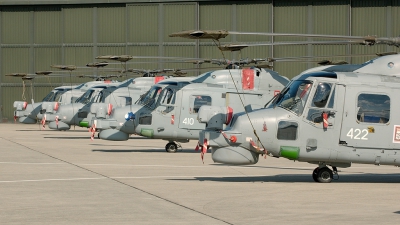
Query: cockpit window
[294,97]
[54,96]
[168,97]
[321,95]
[85,98]
[98,97]
[196,101]
[373,108]
[287,130]
[58,96]
[48,97]
[150,98]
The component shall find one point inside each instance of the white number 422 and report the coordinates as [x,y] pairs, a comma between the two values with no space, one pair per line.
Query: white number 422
[358,134]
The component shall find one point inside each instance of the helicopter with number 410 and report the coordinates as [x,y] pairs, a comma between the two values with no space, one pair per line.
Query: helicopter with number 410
[329,116]
[168,110]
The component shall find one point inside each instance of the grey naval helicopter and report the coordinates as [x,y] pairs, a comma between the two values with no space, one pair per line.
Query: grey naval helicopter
[129,91]
[169,109]
[60,117]
[103,97]
[112,94]
[29,113]
[328,116]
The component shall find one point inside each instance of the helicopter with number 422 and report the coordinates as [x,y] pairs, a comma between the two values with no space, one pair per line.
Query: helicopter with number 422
[329,116]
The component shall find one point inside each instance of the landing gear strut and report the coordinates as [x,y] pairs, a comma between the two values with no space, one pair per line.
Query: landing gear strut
[324,174]
[172,147]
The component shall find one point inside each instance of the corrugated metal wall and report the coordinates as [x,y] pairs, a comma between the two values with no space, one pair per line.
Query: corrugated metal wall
[33,38]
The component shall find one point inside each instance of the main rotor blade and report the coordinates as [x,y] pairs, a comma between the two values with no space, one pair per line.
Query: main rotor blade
[121,58]
[238,47]
[201,34]
[217,34]
[64,67]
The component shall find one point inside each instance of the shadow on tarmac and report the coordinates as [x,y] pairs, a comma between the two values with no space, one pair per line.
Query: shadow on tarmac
[88,138]
[297,178]
[143,150]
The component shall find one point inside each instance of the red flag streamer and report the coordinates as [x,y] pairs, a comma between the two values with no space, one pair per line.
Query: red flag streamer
[57,121]
[204,149]
[258,148]
[197,146]
[15,119]
[43,122]
[325,118]
[92,129]
[172,119]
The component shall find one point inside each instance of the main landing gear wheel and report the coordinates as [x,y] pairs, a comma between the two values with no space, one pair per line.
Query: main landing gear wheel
[315,174]
[322,175]
[171,147]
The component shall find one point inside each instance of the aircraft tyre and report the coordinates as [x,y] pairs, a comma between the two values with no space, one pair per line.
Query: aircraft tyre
[324,175]
[315,174]
[171,147]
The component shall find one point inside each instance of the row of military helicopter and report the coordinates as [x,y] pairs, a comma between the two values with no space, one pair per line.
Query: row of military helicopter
[331,116]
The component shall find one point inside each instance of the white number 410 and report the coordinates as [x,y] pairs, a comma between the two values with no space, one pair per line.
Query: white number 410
[358,134]
[188,121]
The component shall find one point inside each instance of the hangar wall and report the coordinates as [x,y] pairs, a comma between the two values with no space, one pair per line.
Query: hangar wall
[33,37]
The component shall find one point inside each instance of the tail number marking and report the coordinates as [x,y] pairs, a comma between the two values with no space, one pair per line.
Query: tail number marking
[188,121]
[358,134]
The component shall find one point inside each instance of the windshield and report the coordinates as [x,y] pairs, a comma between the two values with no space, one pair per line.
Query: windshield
[150,98]
[57,96]
[97,97]
[53,96]
[85,98]
[48,97]
[294,96]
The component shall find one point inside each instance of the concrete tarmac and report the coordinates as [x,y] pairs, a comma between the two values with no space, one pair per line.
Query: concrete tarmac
[55,177]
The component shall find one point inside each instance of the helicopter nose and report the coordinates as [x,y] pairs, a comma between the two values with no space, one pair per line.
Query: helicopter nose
[113,135]
[235,155]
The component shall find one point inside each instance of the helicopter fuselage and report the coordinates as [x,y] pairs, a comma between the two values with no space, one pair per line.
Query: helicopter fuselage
[357,123]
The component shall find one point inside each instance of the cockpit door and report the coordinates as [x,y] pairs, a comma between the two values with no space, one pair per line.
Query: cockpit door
[191,103]
[366,117]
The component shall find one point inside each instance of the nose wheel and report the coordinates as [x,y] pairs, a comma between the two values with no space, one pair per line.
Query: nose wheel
[324,174]
[172,147]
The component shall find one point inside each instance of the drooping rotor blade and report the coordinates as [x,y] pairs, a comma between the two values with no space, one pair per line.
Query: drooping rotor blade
[329,62]
[97,64]
[264,66]
[121,58]
[302,58]
[238,47]
[17,74]
[64,67]
[201,34]
[386,53]
[43,72]
[217,34]
[98,76]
